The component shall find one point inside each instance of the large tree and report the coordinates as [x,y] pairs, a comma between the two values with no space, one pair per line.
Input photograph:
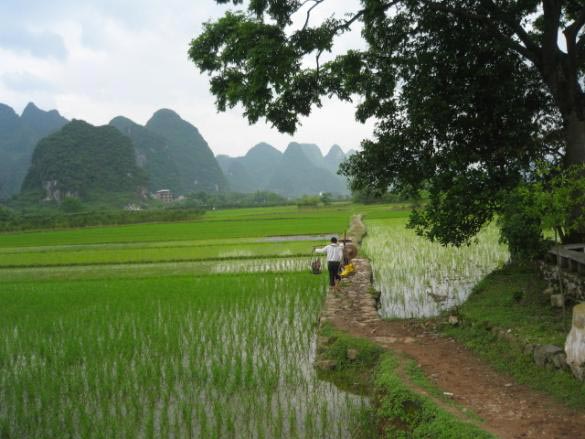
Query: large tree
[467,94]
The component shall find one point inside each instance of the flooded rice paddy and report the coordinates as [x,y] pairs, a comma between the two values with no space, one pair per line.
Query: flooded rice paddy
[418,278]
[217,356]
[209,338]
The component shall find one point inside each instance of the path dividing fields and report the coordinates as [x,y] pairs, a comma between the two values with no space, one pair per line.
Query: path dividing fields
[508,409]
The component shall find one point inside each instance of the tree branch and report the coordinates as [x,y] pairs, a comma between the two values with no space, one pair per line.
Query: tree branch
[315,4]
[576,48]
[581,49]
[552,20]
[346,25]
[577,24]
[530,50]
[511,23]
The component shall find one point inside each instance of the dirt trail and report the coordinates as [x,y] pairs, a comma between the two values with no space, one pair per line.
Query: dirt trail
[509,410]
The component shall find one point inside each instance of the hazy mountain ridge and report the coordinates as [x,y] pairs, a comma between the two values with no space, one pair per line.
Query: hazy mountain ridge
[18,138]
[334,158]
[173,155]
[301,169]
[81,160]
[198,170]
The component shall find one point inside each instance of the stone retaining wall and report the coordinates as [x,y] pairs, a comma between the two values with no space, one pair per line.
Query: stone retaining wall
[561,281]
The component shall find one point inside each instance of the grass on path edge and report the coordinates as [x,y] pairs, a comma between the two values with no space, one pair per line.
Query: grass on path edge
[511,299]
[397,410]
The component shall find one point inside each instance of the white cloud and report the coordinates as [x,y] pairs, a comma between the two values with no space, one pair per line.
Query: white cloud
[130,58]
[42,44]
[27,82]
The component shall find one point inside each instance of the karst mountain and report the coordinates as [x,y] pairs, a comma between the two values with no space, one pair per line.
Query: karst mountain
[44,154]
[300,170]
[18,138]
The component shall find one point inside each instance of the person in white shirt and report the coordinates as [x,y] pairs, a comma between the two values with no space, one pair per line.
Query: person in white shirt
[334,252]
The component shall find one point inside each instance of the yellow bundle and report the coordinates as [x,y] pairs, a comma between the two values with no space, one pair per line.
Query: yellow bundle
[348,270]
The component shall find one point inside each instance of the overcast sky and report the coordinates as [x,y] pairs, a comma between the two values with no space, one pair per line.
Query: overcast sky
[96,59]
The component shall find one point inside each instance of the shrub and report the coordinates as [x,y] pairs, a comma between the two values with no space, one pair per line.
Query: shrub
[71,205]
[555,201]
[521,224]
[309,201]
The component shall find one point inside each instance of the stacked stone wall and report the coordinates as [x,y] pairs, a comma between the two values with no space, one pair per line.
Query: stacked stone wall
[561,281]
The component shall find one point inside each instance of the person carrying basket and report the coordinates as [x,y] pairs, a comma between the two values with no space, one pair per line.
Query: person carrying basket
[334,252]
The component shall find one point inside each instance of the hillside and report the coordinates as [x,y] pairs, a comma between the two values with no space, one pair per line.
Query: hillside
[18,137]
[253,171]
[81,160]
[301,170]
[334,158]
[299,173]
[239,178]
[152,154]
[197,168]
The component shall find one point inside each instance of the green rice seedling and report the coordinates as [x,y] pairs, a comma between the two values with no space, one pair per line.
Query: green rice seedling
[157,339]
[162,357]
[107,255]
[224,225]
[419,278]
[156,270]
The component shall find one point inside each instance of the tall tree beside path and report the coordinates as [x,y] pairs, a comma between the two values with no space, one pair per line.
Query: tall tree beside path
[467,95]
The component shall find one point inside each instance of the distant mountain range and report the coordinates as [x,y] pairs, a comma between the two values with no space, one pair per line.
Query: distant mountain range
[59,157]
[173,153]
[84,161]
[301,169]
[18,137]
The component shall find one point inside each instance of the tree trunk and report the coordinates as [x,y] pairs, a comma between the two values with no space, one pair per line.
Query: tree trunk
[575,154]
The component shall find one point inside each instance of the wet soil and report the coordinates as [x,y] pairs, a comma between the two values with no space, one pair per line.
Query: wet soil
[508,409]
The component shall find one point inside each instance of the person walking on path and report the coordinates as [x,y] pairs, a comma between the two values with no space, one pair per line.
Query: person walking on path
[334,252]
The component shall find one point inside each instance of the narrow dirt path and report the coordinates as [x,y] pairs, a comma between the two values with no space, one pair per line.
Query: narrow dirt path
[509,410]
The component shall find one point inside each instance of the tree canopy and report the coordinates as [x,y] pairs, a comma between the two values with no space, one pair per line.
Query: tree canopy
[467,95]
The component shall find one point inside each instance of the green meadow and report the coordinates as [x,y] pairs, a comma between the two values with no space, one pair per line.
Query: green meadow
[197,329]
[243,223]
[120,254]
[209,356]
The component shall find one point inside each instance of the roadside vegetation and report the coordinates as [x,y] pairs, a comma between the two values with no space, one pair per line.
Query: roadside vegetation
[511,300]
[13,221]
[398,410]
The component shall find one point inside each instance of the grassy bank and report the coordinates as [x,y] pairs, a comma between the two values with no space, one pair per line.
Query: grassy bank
[398,411]
[511,299]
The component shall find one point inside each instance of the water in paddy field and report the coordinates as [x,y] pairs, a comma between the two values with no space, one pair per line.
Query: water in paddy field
[218,356]
[418,278]
[267,265]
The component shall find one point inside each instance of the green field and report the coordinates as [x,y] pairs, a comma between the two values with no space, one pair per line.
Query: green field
[244,223]
[123,255]
[419,278]
[199,329]
[213,356]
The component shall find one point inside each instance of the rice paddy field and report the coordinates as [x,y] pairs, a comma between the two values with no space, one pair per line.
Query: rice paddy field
[200,329]
[418,278]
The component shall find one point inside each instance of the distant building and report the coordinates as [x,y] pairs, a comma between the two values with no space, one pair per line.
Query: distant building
[164,195]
